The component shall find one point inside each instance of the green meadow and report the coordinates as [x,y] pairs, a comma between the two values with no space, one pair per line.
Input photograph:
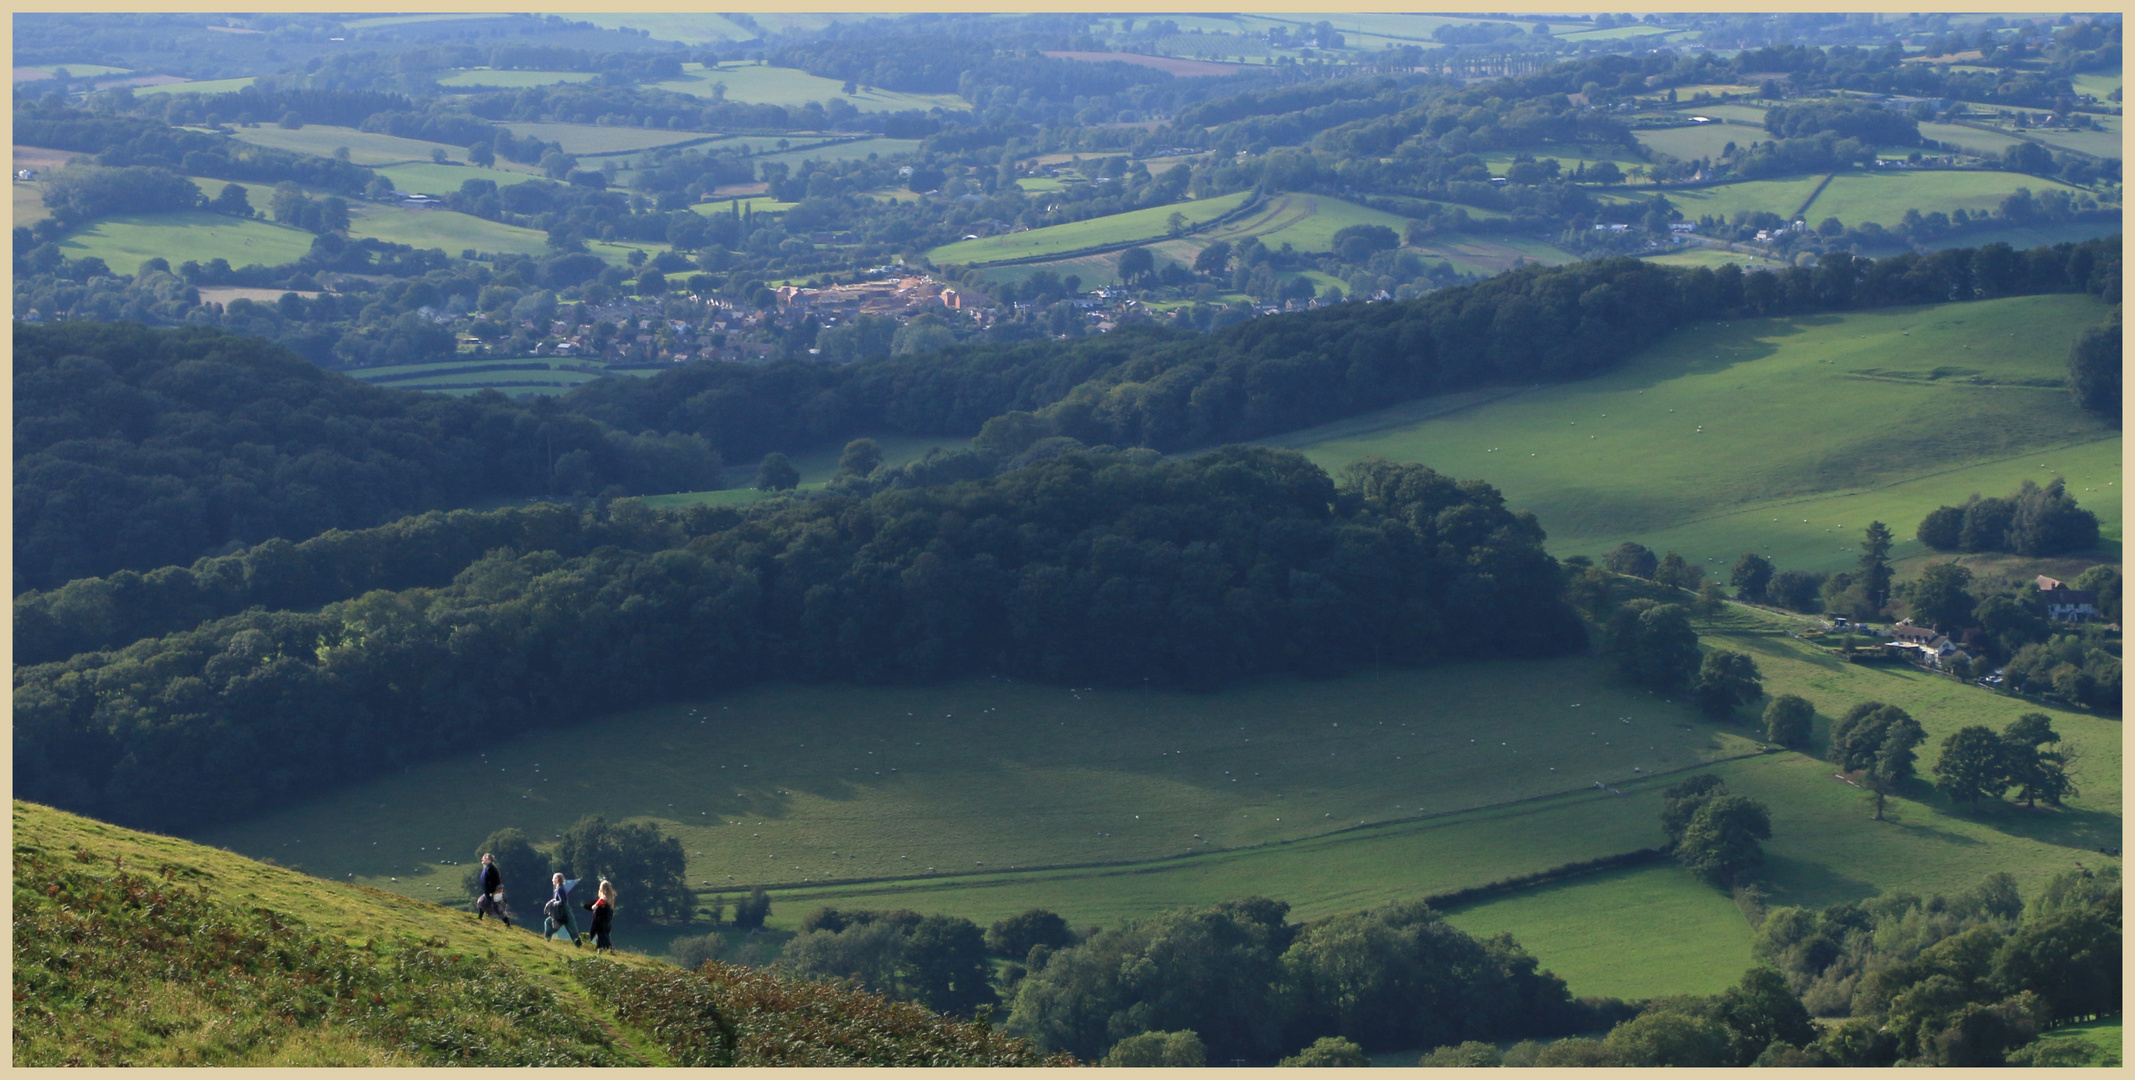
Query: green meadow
[29,203]
[455,232]
[844,151]
[1715,257]
[1971,138]
[1305,222]
[430,178]
[1127,228]
[516,79]
[125,241]
[1632,933]
[795,785]
[760,84]
[2103,1036]
[364,147]
[600,139]
[690,28]
[2102,143]
[1568,155]
[1885,195]
[1698,141]
[1725,201]
[198,86]
[1711,428]
[2098,84]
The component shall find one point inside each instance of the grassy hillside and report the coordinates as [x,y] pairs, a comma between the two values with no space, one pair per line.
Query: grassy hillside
[1782,436]
[136,949]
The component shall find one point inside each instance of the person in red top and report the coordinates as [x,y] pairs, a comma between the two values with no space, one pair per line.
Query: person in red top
[603,909]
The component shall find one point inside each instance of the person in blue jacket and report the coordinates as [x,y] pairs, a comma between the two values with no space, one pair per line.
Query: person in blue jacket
[558,918]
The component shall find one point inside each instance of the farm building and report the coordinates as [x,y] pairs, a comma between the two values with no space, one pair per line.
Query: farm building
[2064,604]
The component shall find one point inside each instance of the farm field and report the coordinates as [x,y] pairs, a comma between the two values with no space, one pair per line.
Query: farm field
[125,241]
[364,147]
[1714,257]
[1725,201]
[29,203]
[1884,197]
[197,86]
[1132,226]
[1645,468]
[1490,253]
[1619,32]
[223,294]
[1569,155]
[1632,933]
[1748,114]
[1971,138]
[594,139]
[430,178]
[1699,141]
[760,84]
[2102,1035]
[755,204]
[499,373]
[456,232]
[845,151]
[472,77]
[2105,143]
[816,779]
[2092,469]
[2098,84]
[1305,222]
[690,28]
[2022,237]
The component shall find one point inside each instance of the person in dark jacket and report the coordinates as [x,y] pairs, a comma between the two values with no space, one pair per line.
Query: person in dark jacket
[603,909]
[557,911]
[491,902]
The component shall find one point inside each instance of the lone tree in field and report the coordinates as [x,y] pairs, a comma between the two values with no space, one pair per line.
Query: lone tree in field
[1652,644]
[1875,574]
[1725,681]
[1974,765]
[1751,574]
[1635,560]
[1136,265]
[1878,742]
[646,867]
[1714,835]
[2036,772]
[777,474]
[1787,721]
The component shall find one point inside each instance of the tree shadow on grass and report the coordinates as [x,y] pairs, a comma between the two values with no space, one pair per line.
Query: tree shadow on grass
[2087,830]
[1792,882]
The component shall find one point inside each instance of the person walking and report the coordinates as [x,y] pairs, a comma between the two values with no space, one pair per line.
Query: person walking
[491,902]
[557,911]
[603,909]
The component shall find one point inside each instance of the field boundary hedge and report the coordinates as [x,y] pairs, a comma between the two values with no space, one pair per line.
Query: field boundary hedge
[1507,886]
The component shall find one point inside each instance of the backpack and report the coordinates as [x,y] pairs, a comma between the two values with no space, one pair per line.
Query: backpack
[553,910]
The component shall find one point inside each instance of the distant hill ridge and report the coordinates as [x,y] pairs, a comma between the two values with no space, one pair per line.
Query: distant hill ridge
[138,949]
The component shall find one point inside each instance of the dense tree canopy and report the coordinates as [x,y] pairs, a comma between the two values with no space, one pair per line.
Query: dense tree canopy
[1107,567]
[139,448]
